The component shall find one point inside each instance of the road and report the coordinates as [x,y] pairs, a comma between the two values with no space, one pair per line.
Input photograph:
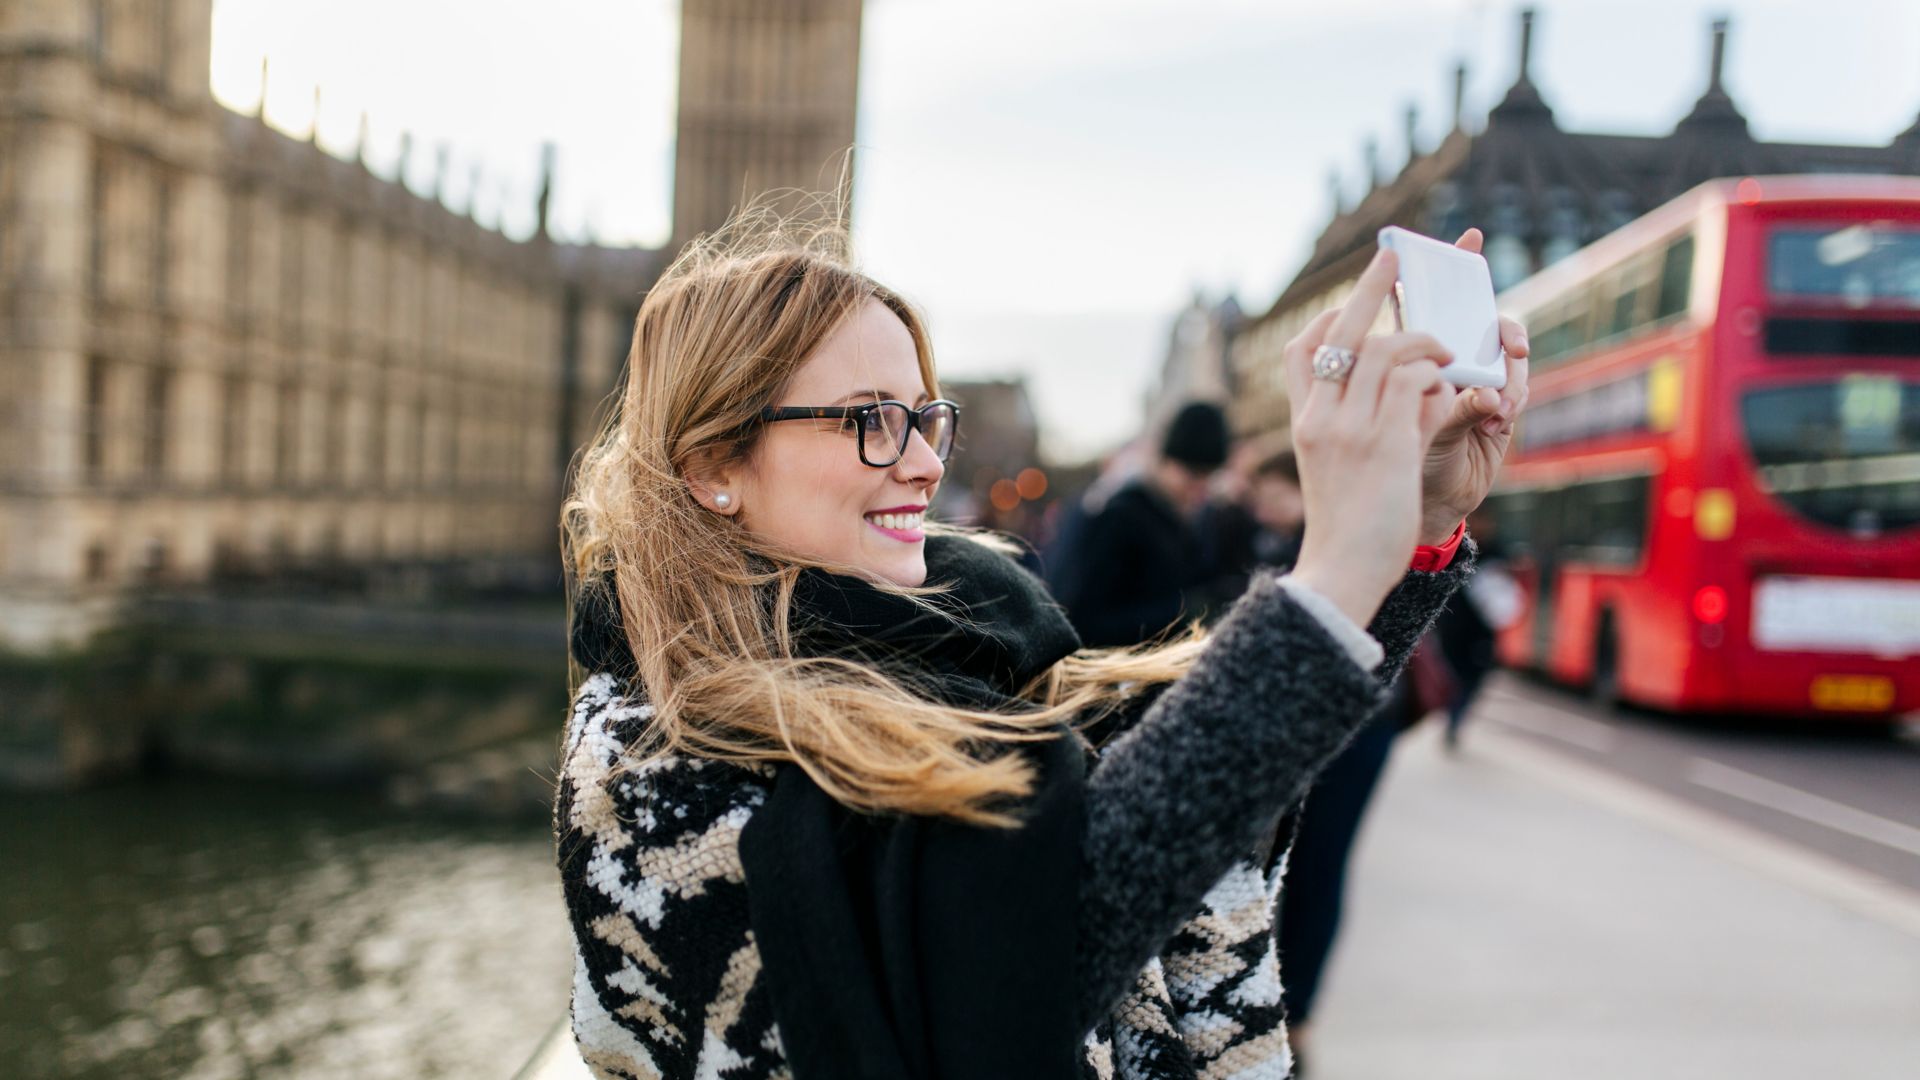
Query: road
[1848,793]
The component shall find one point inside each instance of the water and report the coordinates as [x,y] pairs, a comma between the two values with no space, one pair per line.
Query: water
[211,929]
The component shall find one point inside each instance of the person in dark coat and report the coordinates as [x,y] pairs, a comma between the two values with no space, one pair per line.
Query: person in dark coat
[1134,566]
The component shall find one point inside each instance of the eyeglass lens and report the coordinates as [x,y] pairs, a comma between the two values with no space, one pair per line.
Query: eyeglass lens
[887,428]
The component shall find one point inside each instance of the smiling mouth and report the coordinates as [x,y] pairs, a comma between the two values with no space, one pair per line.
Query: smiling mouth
[899,525]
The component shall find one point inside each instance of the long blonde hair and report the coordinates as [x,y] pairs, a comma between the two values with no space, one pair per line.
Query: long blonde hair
[718,337]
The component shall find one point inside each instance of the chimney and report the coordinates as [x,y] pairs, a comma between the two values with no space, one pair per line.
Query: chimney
[360,148]
[1337,192]
[1373,164]
[313,129]
[260,113]
[1413,132]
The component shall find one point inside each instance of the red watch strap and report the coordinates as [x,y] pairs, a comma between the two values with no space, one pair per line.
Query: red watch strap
[1434,558]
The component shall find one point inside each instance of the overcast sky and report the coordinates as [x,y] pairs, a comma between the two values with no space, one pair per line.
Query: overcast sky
[1050,179]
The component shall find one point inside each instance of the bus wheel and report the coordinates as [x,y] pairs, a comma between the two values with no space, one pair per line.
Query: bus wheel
[1605,687]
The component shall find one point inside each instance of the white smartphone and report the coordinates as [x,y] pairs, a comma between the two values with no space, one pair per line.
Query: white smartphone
[1448,293]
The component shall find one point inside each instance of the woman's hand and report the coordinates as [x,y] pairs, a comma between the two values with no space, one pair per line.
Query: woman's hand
[1360,443]
[1466,454]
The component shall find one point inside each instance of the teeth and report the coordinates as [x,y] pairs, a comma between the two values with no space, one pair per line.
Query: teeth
[898,522]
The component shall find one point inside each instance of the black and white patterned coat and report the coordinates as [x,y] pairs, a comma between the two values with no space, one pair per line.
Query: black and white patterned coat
[668,979]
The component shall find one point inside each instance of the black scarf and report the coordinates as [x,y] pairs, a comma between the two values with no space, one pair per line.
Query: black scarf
[903,947]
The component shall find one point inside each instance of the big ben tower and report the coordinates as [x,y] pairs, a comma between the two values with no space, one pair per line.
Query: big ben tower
[767,91]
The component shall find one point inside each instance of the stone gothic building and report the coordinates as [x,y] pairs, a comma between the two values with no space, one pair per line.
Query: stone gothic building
[1537,191]
[225,352]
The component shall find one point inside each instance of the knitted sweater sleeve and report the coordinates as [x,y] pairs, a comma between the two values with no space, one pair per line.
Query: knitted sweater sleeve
[1187,790]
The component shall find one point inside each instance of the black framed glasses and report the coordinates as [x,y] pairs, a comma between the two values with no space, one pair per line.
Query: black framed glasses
[884,426]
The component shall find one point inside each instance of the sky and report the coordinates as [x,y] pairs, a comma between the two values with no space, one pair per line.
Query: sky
[1051,180]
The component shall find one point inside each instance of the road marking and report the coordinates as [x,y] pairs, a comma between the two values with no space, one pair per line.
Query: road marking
[1821,875]
[1789,800]
[1568,727]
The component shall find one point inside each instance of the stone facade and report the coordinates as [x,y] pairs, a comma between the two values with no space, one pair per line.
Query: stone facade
[227,352]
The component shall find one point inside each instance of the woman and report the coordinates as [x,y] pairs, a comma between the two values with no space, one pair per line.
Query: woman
[825,808]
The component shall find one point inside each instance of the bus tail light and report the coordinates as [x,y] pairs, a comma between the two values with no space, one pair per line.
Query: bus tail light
[1710,605]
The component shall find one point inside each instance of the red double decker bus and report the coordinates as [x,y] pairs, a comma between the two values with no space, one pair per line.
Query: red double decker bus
[1713,503]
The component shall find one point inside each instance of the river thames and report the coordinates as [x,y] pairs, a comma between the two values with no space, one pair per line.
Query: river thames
[209,929]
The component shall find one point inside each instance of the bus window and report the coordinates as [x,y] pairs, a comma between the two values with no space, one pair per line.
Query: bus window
[1514,512]
[1629,299]
[1617,519]
[1676,278]
[1856,265]
[1601,521]
[1844,453]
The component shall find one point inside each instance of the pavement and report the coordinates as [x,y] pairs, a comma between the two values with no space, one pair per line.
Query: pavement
[1514,911]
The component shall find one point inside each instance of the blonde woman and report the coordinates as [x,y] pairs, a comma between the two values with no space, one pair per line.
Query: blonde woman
[829,806]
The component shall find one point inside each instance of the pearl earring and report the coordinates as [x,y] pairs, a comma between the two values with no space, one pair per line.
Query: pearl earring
[722,500]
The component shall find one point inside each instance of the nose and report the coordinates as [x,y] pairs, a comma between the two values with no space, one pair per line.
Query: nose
[919,465]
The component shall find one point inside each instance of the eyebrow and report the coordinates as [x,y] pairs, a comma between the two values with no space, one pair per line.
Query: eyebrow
[882,395]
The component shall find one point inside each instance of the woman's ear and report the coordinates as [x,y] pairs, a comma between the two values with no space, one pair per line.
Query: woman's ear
[716,486]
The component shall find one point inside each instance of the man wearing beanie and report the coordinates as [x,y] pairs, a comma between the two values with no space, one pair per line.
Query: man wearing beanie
[1136,566]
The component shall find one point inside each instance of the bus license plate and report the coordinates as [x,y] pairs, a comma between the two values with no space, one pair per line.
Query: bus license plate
[1852,693]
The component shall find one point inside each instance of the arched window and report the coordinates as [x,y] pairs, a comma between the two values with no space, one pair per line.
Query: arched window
[1566,226]
[1446,213]
[1507,226]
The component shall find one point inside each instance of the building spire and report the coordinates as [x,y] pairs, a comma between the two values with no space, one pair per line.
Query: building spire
[260,111]
[1372,153]
[1526,45]
[1460,96]
[475,176]
[1716,109]
[1336,192]
[1523,101]
[313,127]
[1719,56]
[544,207]
[442,162]
[1413,132]
[360,142]
[406,158]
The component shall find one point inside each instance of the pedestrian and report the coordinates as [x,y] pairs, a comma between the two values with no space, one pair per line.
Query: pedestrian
[1135,565]
[1468,631]
[823,809]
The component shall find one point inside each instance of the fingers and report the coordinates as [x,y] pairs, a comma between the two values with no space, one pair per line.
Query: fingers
[1296,360]
[1362,308]
[1403,398]
[1470,241]
[1350,325]
[1475,407]
[1379,357]
[1513,337]
[1435,409]
[1513,396]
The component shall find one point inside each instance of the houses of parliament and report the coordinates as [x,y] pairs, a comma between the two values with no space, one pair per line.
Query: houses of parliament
[225,352]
